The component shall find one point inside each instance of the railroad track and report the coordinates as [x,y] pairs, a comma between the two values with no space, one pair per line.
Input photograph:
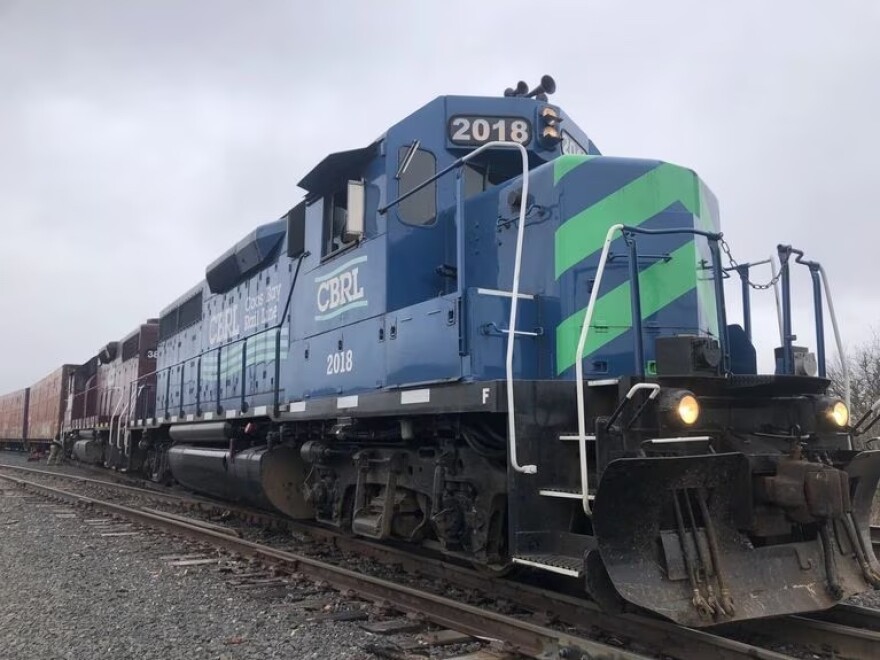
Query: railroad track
[844,632]
[522,637]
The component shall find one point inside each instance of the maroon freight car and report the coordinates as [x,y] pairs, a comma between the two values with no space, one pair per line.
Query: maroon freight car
[137,372]
[109,391]
[83,409]
[48,401]
[13,418]
[115,387]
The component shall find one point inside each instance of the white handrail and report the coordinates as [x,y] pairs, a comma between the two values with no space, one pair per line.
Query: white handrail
[126,411]
[514,299]
[122,414]
[579,369]
[837,338]
[776,295]
[111,442]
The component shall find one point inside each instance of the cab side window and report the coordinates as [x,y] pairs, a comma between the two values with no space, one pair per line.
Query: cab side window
[344,217]
[421,207]
[335,215]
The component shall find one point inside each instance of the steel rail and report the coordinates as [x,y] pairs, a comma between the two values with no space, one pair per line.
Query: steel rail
[186,500]
[521,636]
[855,616]
[819,636]
[830,629]
[100,482]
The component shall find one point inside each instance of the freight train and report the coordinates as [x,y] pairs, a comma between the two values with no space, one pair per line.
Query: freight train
[31,418]
[479,334]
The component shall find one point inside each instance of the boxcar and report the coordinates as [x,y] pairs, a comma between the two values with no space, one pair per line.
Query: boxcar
[13,418]
[47,402]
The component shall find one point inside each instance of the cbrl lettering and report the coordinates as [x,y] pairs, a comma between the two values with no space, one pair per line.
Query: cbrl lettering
[223,326]
[339,290]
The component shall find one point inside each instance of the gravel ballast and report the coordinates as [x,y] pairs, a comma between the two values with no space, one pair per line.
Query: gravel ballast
[358,642]
[70,592]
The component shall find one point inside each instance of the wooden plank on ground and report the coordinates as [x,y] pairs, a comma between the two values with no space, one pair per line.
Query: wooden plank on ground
[194,562]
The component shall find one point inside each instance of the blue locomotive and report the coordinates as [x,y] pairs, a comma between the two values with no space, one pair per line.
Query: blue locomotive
[479,334]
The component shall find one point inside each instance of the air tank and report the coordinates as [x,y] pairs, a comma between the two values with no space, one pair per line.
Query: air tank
[266,478]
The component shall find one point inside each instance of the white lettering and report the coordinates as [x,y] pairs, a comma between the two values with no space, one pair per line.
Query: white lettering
[223,326]
[485,395]
[358,291]
[338,291]
[340,363]
[334,293]
[323,297]
[345,286]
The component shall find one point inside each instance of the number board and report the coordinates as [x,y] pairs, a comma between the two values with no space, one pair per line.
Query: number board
[572,146]
[474,130]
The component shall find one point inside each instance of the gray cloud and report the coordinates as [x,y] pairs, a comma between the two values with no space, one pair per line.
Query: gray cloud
[138,140]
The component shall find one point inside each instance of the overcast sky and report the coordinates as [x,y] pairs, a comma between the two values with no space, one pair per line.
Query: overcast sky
[140,139]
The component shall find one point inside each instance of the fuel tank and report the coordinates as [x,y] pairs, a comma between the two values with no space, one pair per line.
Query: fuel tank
[270,479]
[89,451]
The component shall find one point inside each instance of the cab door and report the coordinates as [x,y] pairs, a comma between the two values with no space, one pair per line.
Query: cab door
[423,329]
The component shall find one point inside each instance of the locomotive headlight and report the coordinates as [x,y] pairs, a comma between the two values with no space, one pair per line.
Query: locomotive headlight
[680,407]
[839,414]
[688,409]
[831,413]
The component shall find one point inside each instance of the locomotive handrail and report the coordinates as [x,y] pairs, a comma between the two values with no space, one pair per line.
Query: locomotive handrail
[837,337]
[115,409]
[588,318]
[820,283]
[743,271]
[579,370]
[514,300]
[126,413]
[777,296]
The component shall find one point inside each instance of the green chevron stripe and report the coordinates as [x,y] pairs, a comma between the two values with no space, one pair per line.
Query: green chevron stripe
[641,199]
[565,164]
[660,284]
